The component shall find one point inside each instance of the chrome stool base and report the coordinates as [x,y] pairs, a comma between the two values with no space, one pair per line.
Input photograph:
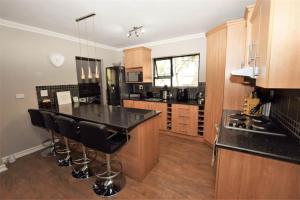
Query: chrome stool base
[82,173]
[65,162]
[109,187]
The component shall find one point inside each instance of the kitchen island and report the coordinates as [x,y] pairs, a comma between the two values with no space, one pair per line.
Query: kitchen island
[141,153]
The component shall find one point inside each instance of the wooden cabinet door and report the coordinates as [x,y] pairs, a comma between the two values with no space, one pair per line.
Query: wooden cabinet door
[139,57]
[128,103]
[162,107]
[246,176]
[260,34]
[133,58]
[147,67]
[185,119]
[214,89]
[139,104]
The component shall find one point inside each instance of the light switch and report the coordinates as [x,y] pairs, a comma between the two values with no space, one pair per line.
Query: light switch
[20,96]
[44,93]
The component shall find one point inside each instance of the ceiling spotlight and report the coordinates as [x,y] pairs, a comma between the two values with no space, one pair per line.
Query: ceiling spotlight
[137,30]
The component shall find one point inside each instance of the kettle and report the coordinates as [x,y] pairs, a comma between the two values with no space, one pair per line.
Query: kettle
[200,98]
[164,93]
[182,95]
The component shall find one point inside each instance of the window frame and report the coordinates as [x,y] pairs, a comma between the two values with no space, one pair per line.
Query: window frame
[171,76]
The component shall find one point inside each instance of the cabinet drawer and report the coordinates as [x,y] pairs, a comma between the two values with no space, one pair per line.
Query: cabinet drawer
[187,129]
[181,119]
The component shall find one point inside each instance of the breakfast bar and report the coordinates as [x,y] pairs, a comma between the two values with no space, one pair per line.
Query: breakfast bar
[141,153]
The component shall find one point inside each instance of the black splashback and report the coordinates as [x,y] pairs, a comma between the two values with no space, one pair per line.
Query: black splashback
[52,89]
[285,109]
[147,87]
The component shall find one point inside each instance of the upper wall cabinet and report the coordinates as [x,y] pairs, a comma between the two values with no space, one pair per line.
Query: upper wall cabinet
[139,59]
[275,42]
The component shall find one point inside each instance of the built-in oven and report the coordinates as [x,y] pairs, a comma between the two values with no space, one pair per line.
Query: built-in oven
[134,76]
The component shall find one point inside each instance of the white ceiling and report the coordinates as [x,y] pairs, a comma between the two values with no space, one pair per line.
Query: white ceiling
[162,19]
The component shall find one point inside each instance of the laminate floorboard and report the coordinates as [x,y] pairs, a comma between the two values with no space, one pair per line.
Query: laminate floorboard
[183,172]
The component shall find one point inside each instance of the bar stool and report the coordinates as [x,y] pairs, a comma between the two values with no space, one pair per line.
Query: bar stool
[51,126]
[68,127]
[97,136]
[37,119]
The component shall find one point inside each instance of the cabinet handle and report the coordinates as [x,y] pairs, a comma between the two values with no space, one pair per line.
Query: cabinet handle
[182,116]
[214,153]
[184,124]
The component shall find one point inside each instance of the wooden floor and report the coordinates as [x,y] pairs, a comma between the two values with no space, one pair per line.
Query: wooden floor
[183,172]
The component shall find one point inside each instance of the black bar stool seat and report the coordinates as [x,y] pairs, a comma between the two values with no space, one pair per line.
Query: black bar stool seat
[68,127]
[51,126]
[97,136]
[36,118]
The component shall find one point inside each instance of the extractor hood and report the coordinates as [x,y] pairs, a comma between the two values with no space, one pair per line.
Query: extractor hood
[246,71]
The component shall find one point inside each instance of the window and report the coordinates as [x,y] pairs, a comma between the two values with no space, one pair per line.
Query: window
[176,71]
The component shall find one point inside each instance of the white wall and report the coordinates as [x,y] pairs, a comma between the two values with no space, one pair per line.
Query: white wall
[24,64]
[190,46]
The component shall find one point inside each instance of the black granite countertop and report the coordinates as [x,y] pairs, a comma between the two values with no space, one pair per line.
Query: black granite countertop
[113,116]
[280,148]
[169,101]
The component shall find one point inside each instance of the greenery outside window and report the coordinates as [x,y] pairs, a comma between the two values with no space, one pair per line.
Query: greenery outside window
[177,71]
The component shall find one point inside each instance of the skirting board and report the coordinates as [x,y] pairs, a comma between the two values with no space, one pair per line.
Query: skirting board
[24,152]
[3,168]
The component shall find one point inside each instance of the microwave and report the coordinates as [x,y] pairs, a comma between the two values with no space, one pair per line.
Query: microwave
[136,76]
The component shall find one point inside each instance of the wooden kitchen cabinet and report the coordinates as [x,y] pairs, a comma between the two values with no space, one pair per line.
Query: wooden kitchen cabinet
[276,43]
[128,103]
[139,59]
[246,176]
[185,119]
[162,107]
[225,53]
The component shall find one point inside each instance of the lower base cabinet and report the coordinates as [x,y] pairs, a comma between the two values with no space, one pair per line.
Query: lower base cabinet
[162,107]
[246,176]
[184,118]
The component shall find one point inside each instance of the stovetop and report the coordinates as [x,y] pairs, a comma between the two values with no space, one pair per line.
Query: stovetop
[255,124]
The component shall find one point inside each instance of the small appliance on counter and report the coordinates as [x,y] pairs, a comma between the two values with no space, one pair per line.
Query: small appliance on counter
[134,95]
[164,93]
[200,98]
[182,95]
[134,76]
[45,103]
[89,93]
[258,103]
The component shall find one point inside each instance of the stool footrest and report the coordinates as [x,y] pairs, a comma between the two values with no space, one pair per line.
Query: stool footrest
[112,174]
[81,161]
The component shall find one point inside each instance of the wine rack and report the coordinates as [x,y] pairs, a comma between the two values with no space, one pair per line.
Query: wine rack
[200,119]
[169,117]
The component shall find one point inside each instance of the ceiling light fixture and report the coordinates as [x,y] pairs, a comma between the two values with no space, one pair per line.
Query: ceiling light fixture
[136,30]
[87,44]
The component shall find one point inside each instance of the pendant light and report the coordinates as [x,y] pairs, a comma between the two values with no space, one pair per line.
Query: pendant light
[89,75]
[97,74]
[82,74]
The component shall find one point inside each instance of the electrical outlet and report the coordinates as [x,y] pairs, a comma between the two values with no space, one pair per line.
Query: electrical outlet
[141,87]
